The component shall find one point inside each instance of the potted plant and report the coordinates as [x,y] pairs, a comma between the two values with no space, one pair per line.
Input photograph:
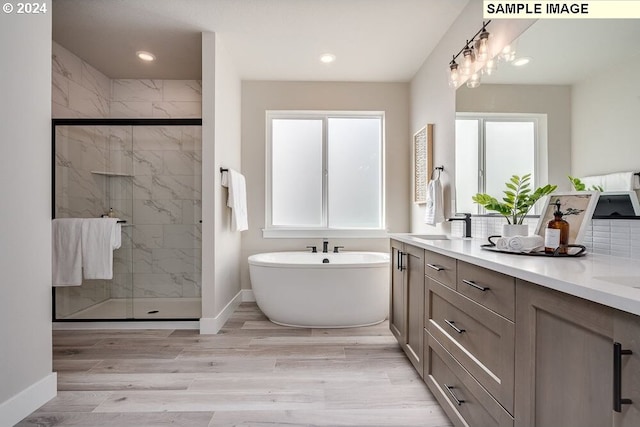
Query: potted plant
[578,185]
[517,202]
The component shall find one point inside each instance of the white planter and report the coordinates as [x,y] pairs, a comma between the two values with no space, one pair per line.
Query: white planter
[510,230]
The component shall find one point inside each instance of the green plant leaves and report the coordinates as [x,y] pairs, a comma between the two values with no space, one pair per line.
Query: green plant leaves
[518,198]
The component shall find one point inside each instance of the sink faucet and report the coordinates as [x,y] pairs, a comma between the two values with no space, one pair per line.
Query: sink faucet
[325,246]
[467,222]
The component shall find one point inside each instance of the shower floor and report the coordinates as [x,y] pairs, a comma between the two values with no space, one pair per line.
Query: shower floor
[142,308]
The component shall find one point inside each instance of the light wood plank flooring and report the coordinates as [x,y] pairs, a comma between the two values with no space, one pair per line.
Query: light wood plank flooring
[254,373]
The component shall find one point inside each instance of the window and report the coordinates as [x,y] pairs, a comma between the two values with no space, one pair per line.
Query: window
[490,149]
[324,171]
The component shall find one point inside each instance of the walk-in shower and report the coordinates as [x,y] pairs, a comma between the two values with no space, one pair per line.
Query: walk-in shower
[149,173]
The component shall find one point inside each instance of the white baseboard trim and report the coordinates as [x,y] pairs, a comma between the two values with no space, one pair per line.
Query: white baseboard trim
[13,410]
[158,324]
[212,325]
[247,295]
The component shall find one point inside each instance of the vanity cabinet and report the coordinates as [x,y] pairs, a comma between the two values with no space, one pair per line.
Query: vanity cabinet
[565,361]
[500,351]
[469,344]
[406,312]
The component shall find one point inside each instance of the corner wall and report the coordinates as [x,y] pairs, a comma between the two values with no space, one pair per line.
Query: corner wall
[433,101]
[26,377]
[260,96]
[221,97]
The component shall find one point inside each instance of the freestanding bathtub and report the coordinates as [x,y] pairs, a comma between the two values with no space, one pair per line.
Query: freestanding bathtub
[298,289]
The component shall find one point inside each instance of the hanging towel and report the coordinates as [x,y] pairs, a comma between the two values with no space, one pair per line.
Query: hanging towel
[67,251]
[434,212]
[237,199]
[620,181]
[100,236]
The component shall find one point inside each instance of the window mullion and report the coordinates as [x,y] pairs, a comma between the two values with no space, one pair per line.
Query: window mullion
[325,172]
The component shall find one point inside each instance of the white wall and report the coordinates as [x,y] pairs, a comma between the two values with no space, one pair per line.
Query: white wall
[259,96]
[26,379]
[552,100]
[221,95]
[606,109]
[433,101]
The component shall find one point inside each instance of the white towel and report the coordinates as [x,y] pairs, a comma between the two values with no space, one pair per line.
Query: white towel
[620,181]
[525,243]
[502,243]
[434,211]
[100,236]
[67,251]
[237,199]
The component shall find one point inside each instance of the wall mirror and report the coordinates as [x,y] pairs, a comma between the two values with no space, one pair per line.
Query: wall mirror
[580,89]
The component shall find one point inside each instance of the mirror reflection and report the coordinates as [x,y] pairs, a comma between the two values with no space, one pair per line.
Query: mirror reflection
[572,109]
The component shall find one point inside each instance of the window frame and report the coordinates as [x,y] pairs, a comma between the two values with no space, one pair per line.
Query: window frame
[540,173]
[323,230]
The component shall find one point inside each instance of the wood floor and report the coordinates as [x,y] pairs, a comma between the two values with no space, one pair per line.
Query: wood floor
[253,373]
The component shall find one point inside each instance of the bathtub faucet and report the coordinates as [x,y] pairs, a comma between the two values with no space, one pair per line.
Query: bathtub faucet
[325,246]
[313,249]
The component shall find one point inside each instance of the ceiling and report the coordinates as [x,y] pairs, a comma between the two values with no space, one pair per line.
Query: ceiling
[564,52]
[373,40]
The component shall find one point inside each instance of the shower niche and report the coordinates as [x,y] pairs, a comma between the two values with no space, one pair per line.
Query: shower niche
[148,172]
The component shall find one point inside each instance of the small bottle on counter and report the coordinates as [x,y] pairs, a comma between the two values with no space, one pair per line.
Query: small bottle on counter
[111,213]
[556,235]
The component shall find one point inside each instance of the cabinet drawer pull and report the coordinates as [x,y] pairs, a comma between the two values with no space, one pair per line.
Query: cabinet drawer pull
[450,388]
[618,400]
[475,285]
[453,325]
[435,267]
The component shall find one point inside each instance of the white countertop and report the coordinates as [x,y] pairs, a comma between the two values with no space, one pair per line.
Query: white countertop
[611,281]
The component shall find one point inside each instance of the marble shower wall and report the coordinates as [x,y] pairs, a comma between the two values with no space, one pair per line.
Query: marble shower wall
[160,200]
[162,253]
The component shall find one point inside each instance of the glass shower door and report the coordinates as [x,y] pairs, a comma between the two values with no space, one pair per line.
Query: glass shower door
[149,175]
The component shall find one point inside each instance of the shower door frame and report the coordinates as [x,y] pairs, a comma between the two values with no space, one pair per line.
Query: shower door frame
[106,122]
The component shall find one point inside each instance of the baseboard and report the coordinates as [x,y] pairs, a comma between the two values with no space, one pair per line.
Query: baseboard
[137,324]
[247,295]
[13,410]
[212,325]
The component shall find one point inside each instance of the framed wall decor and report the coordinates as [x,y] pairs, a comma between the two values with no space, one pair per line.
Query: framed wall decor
[422,162]
[577,208]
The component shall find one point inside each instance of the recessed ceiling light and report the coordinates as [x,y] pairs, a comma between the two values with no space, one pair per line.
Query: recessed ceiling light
[521,61]
[327,58]
[145,56]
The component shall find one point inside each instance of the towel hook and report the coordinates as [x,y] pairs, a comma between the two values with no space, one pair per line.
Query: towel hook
[439,169]
[224,170]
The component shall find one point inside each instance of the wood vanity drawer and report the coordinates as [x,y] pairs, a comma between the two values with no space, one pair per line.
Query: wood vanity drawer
[496,291]
[480,340]
[464,400]
[441,268]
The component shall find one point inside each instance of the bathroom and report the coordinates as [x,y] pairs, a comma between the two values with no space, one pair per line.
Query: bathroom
[225,276]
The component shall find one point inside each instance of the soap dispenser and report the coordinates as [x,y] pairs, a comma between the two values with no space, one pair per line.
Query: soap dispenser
[112,213]
[556,235]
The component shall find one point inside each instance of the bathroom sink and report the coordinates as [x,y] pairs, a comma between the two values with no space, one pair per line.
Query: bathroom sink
[430,236]
[631,281]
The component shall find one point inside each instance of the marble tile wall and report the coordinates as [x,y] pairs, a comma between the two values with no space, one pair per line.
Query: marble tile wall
[156,98]
[161,197]
[77,88]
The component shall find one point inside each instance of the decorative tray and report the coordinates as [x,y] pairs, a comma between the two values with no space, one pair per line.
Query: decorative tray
[582,250]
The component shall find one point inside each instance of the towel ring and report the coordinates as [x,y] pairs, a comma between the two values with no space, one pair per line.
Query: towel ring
[437,168]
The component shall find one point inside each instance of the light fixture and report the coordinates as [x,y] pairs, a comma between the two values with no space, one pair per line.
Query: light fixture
[454,74]
[482,45]
[474,80]
[327,58]
[490,67]
[475,53]
[508,52]
[468,60]
[145,56]
[520,62]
